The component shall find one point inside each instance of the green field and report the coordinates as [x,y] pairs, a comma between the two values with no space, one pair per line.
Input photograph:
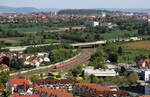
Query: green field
[15,41]
[133,49]
[31,29]
[119,33]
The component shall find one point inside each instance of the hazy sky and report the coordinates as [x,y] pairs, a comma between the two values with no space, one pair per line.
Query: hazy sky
[77,3]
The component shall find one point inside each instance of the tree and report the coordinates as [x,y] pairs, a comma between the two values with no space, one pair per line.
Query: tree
[92,78]
[4,76]
[77,71]
[133,77]
[17,63]
[113,57]
[20,63]
[6,93]
[120,50]
[97,59]
[5,60]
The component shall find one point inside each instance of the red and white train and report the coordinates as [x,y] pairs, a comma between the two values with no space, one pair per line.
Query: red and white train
[67,63]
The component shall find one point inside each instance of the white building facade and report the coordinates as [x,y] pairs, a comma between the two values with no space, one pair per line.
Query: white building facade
[100,72]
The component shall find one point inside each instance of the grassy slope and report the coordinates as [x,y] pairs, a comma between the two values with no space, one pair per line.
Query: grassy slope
[129,53]
[115,34]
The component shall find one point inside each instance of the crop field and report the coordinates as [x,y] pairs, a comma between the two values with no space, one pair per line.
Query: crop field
[138,45]
[6,40]
[64,29]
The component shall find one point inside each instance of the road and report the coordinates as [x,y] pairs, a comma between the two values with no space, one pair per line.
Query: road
[22,48]
[84,56]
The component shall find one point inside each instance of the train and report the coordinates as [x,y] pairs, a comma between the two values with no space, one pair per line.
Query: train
[67,63]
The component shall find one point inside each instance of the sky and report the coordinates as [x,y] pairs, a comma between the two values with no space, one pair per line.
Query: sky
[77,3]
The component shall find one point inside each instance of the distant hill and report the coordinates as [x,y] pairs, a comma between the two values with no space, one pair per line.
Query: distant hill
[6,9]
[99,10]
[126,9]
[81,11]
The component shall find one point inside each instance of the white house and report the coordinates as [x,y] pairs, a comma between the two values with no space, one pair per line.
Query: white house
[46,59]
[92,23]
[146,75]
[100,72]
[135,38]
[95,24]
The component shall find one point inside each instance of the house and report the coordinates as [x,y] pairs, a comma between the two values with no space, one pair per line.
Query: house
[56,83]
[92,23]
[18,85]
[4,67]
[135,38]
[145,75]
[109,25]
[24,95]
[96,90]
[143,19]
[99,72]
[46,59]
[47,92]
[145,64]
[111,85]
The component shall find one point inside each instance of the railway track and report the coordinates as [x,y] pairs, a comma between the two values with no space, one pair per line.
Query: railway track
[83,58]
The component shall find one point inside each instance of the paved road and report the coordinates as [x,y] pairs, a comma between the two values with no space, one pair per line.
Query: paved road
[22,48]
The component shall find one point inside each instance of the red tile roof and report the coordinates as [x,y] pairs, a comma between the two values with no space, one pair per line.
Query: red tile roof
[54,92]
[18,95]
[19,81]
[93,86]
[145,96]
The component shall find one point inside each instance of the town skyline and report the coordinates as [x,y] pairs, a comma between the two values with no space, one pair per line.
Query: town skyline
[77,4]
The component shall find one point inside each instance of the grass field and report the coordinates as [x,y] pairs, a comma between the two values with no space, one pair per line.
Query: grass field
[29,30]
[39,29]
[133,49]
[118,33]
[138,45]
[15,41]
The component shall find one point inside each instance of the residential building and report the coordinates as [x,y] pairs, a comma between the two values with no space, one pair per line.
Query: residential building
[47,92]
[146,75]
[18,85]
[56,83]
[96,90]
[92,23]
[145,64]
[23,95]
[135,38]
[111,85]
[109,25]
[4,67]
[143,19]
